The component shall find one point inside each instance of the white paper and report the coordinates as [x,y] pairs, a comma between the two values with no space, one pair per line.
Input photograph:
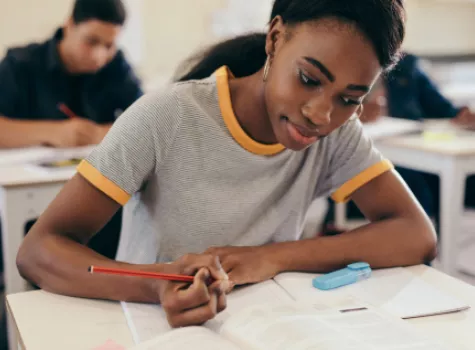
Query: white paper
[198,338]
[303,328]
[396,291]
[146,321]
[32,155]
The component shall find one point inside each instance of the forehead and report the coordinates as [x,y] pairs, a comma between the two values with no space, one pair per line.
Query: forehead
[340,47]
[100,29]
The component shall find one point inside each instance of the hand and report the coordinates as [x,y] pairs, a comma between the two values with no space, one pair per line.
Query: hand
[76,132]
[187,305]
[465,118]
[247,264]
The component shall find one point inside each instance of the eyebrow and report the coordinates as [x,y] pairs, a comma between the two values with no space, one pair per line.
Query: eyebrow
[363,88]
[331,77]
[321,67]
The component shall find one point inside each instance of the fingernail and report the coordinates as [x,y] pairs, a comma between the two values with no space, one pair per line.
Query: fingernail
[218,263]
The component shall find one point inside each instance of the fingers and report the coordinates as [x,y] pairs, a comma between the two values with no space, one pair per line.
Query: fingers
[195,316]
[196,304]
[220,289]
[193,262]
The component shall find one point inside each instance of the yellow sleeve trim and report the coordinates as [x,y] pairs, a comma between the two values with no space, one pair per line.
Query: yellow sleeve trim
[102,183]
[240,136]
[344,192]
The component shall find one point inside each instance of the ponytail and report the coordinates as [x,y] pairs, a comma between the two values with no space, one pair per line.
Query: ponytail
[244,55]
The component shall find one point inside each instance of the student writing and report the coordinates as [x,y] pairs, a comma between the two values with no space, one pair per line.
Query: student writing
[225,167]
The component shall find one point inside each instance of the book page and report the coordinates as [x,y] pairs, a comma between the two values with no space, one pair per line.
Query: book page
[300,327]
[395,290]
[198,338]
[146,321]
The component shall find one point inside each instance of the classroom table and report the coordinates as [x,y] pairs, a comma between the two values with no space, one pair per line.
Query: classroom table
[75,323]
[453,160]
[25,192]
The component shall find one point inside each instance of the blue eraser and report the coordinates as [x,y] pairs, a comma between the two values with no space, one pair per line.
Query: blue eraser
[352,273]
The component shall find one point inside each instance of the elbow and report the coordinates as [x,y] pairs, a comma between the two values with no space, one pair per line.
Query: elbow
[27,260]
[426,246]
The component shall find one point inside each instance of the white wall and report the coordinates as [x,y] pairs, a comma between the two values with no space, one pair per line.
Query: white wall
[441,27]
[164,32]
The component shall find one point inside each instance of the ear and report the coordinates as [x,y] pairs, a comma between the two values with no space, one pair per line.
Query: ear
[275,35]
[68,25]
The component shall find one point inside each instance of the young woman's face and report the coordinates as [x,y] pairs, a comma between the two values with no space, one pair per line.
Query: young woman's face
[318,77]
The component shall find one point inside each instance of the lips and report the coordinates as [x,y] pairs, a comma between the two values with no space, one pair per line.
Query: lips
[299,134]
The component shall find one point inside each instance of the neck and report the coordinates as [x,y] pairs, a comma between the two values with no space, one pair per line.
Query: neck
[249,106]
[64,57]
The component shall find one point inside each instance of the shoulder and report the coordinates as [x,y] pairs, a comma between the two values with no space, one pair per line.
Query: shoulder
[26,55]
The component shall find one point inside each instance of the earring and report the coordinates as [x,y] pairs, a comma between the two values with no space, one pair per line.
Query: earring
[266,69]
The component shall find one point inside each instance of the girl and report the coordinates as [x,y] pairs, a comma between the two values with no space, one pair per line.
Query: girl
[230,159]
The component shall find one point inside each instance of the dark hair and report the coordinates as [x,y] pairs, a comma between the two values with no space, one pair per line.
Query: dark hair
[111,11]
[381,21]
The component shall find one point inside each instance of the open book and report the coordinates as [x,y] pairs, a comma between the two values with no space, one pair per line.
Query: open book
[298,326]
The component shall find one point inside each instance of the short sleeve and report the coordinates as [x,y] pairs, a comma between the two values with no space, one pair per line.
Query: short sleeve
[134,147]
[353,162]
[10,88]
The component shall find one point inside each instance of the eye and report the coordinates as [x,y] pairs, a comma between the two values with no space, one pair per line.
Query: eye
[349,102]
[306,80]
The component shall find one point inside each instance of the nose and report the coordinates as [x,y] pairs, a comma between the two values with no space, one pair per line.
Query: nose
[318,111]
[100,56]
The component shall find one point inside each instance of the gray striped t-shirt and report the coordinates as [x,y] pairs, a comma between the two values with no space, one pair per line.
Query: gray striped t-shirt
[192,178]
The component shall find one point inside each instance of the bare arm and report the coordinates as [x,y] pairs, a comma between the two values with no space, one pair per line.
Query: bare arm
[16,133]
[67,133]
[54,257]
[399,234]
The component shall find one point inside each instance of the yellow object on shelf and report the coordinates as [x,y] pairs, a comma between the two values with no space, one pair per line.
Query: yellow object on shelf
[438,135]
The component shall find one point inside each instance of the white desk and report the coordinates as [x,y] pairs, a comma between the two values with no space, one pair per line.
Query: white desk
[75,323]
[24,195]
[453,161]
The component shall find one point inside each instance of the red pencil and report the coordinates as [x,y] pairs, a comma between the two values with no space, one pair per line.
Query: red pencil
[135,273]
[66,110]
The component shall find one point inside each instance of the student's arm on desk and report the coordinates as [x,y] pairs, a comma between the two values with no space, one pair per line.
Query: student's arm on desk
[54,257]
[399,234]
[68,133]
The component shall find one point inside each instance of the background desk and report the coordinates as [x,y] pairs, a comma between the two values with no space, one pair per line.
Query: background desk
[24,195]
[453,161]
[83,324]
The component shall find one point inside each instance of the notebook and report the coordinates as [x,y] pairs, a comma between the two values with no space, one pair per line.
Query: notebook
[396,291]
[298,326]
[147,321]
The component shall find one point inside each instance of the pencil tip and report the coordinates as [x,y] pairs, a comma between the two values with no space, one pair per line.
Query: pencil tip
[90,269]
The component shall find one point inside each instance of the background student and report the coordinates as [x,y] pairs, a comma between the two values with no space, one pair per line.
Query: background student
[230,164]
[408,93]
[68,90]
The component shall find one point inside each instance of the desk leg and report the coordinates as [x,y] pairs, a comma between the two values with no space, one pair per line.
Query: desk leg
[452,183]
[12,236]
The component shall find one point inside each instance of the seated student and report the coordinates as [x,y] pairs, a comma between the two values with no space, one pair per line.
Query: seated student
[226,167]
[410,94]
[80,68]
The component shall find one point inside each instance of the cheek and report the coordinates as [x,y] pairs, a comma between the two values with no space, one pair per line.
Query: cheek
[285,95]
